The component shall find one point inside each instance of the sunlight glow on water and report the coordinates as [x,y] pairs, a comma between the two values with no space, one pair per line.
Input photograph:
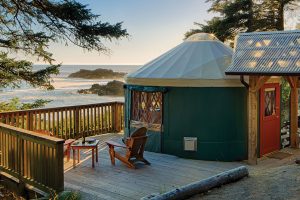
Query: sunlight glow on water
[66,88]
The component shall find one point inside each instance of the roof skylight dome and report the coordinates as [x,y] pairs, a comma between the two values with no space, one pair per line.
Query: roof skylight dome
[201,37]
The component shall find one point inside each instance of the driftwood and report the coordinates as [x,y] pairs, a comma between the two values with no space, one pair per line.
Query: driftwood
[201,186]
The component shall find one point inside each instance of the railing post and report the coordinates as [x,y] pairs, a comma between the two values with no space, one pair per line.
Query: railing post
[117,118]
[113,118]
[59,167]
[29,121]
[76,122]
[122,115]
[20,160]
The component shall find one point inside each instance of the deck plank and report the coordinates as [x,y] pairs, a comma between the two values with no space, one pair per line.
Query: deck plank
[119,182]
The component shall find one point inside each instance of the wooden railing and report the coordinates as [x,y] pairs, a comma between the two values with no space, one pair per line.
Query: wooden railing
[37,159]
[70,121]
[32,158]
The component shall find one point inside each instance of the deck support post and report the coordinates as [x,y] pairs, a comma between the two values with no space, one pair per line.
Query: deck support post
[255,83]
[252,121]
[293,81]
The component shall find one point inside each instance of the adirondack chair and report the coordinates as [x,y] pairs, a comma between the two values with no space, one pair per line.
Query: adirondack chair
[132,151]
[67,143]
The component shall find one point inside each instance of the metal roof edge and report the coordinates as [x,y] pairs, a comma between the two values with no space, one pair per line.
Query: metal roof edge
[263,73]
[269,32]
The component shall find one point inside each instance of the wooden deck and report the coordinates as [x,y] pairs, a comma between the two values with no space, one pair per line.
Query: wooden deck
[119,182]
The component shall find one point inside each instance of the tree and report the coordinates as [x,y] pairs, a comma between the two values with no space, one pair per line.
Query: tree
[235,16]
[274,10]
[212,26]
[238,17]
[244,16]
[29,27]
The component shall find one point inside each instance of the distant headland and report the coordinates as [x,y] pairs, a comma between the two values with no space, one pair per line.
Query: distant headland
[97,74]
[112,88]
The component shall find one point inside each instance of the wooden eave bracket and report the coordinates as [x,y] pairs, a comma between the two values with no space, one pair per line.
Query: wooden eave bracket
[258,83]
[293,81]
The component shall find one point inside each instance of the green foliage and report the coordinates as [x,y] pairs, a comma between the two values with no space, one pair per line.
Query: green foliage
[285,100]
[13,72]
[235,16]
[15,104]
[244,16]
[212,26]
[29,27]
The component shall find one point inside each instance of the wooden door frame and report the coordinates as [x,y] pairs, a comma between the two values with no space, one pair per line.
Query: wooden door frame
[255,83]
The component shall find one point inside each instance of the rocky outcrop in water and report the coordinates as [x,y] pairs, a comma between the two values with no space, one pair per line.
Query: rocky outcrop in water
[112,88]
[97,74]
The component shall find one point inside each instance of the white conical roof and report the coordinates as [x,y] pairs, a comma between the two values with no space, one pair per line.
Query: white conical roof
[200,60]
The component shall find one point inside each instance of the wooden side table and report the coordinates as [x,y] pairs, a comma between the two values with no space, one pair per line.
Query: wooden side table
[89,144]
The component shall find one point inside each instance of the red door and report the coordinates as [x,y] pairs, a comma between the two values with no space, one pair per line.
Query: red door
[269,118]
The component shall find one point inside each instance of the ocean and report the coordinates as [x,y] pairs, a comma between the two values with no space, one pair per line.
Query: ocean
[65,92]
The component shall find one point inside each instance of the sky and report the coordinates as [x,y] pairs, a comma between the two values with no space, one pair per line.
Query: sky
[155,26]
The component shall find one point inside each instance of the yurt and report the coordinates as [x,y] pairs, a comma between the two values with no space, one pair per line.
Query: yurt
[190,107]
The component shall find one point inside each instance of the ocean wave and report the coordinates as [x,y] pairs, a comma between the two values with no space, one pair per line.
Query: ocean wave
[67,84]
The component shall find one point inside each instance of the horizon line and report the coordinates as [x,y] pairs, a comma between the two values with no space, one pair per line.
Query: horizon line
[92,64]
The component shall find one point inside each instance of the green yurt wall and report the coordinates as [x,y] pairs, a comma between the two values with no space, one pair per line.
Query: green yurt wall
[216,116]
